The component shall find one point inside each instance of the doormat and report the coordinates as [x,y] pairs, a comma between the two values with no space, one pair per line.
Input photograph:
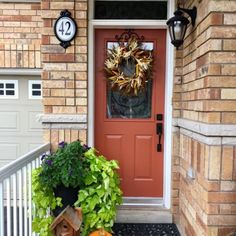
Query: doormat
[121,229]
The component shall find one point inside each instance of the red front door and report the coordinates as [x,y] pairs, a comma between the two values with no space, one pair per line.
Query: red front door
[125,128]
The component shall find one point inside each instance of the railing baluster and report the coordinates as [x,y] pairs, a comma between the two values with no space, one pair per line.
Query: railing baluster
[25,201]
[16,192]
[8,189]
[30,197]
[20,203]
[15,222]
[37,162]
[34,165]
[1,209]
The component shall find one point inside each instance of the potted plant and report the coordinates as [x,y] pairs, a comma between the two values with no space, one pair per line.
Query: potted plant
[62,172]
[56,183]
[75,167]
[100,195]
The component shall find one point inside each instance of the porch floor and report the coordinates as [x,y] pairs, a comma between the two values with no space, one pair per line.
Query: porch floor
[122,229]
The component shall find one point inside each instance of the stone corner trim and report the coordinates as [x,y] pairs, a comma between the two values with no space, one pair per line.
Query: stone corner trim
[61,118]
[215,130]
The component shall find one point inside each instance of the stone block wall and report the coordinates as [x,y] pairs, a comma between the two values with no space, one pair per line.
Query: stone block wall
[64,75]
[204,101]
[20,35]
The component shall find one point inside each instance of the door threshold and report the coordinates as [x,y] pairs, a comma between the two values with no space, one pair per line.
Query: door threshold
[142,202]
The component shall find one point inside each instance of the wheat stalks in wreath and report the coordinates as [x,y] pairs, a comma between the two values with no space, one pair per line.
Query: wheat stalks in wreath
[133,55]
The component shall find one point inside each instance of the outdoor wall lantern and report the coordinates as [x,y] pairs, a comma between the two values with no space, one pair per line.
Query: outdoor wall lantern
[178,25]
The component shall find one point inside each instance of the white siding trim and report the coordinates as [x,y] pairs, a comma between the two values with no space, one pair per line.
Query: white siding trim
[20,72]
[168,113]
[21,1]
[147,24]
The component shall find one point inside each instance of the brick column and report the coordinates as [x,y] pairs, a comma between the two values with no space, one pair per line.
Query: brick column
[204,101]
[64,75]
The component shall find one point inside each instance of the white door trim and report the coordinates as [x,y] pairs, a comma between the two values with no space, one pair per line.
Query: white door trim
[150,24]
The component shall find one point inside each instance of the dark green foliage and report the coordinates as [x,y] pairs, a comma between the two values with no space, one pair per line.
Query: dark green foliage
[65,166]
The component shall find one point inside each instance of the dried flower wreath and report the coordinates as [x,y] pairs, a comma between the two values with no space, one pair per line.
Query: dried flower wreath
[128,67]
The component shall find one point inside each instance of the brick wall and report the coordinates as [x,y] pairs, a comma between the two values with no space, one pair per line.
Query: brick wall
[205,117]
[64,74]
[204,106]
[20,35]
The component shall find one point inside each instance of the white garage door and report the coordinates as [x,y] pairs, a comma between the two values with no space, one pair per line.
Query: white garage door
[20,102]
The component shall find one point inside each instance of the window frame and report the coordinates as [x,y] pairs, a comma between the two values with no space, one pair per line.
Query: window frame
[30,89]
[16,89]
[129,19]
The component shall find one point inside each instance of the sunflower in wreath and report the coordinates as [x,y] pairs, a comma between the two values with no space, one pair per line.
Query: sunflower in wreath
[128,67]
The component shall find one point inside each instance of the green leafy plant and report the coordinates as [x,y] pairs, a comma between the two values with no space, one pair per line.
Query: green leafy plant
[101,194]
[44,202]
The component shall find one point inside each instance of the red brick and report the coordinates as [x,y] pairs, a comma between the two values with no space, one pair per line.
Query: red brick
[226,231]
[47,23]
[216,18]
[45,39]
[61,57]
[36,6]
[15,18]
[45,5]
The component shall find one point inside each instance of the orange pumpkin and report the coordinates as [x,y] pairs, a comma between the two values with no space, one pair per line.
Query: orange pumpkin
[100,232]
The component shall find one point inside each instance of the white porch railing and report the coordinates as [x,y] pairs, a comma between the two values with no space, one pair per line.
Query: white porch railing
[15,194]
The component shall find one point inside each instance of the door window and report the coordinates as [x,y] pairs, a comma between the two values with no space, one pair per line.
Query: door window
[129,107]
[126,106]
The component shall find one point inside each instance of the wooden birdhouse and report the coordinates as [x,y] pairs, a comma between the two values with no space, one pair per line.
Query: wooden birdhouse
[67,223]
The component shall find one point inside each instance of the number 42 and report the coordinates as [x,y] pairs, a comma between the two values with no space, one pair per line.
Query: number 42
[65,28]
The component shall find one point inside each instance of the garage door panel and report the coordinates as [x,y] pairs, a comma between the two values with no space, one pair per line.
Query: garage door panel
[32,146]
[33,123]
[9,151]
[19,130]
[9,121]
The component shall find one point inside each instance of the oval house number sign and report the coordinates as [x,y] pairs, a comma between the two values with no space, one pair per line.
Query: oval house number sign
[65,28]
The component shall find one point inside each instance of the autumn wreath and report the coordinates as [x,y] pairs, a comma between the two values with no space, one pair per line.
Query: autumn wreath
[128,67]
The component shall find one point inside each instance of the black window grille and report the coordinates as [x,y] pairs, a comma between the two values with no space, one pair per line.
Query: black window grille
[146,10]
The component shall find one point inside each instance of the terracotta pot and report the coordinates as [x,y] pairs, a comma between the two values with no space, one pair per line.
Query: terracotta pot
[69,196]
[100,232]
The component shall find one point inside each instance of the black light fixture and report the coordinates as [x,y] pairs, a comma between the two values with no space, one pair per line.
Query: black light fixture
[178,25]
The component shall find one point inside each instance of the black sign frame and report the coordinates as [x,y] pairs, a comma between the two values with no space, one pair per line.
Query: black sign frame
[65,15]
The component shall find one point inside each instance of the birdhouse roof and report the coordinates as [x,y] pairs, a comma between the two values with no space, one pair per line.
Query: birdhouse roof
[71,216]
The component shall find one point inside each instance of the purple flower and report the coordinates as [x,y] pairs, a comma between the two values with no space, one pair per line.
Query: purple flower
[48,162]
[61,144]
[43,156]
[86,147]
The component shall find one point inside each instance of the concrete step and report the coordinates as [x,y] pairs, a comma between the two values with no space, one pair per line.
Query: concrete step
[143,214]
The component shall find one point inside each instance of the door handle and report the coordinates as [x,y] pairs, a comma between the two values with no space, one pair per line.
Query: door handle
[159,131]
